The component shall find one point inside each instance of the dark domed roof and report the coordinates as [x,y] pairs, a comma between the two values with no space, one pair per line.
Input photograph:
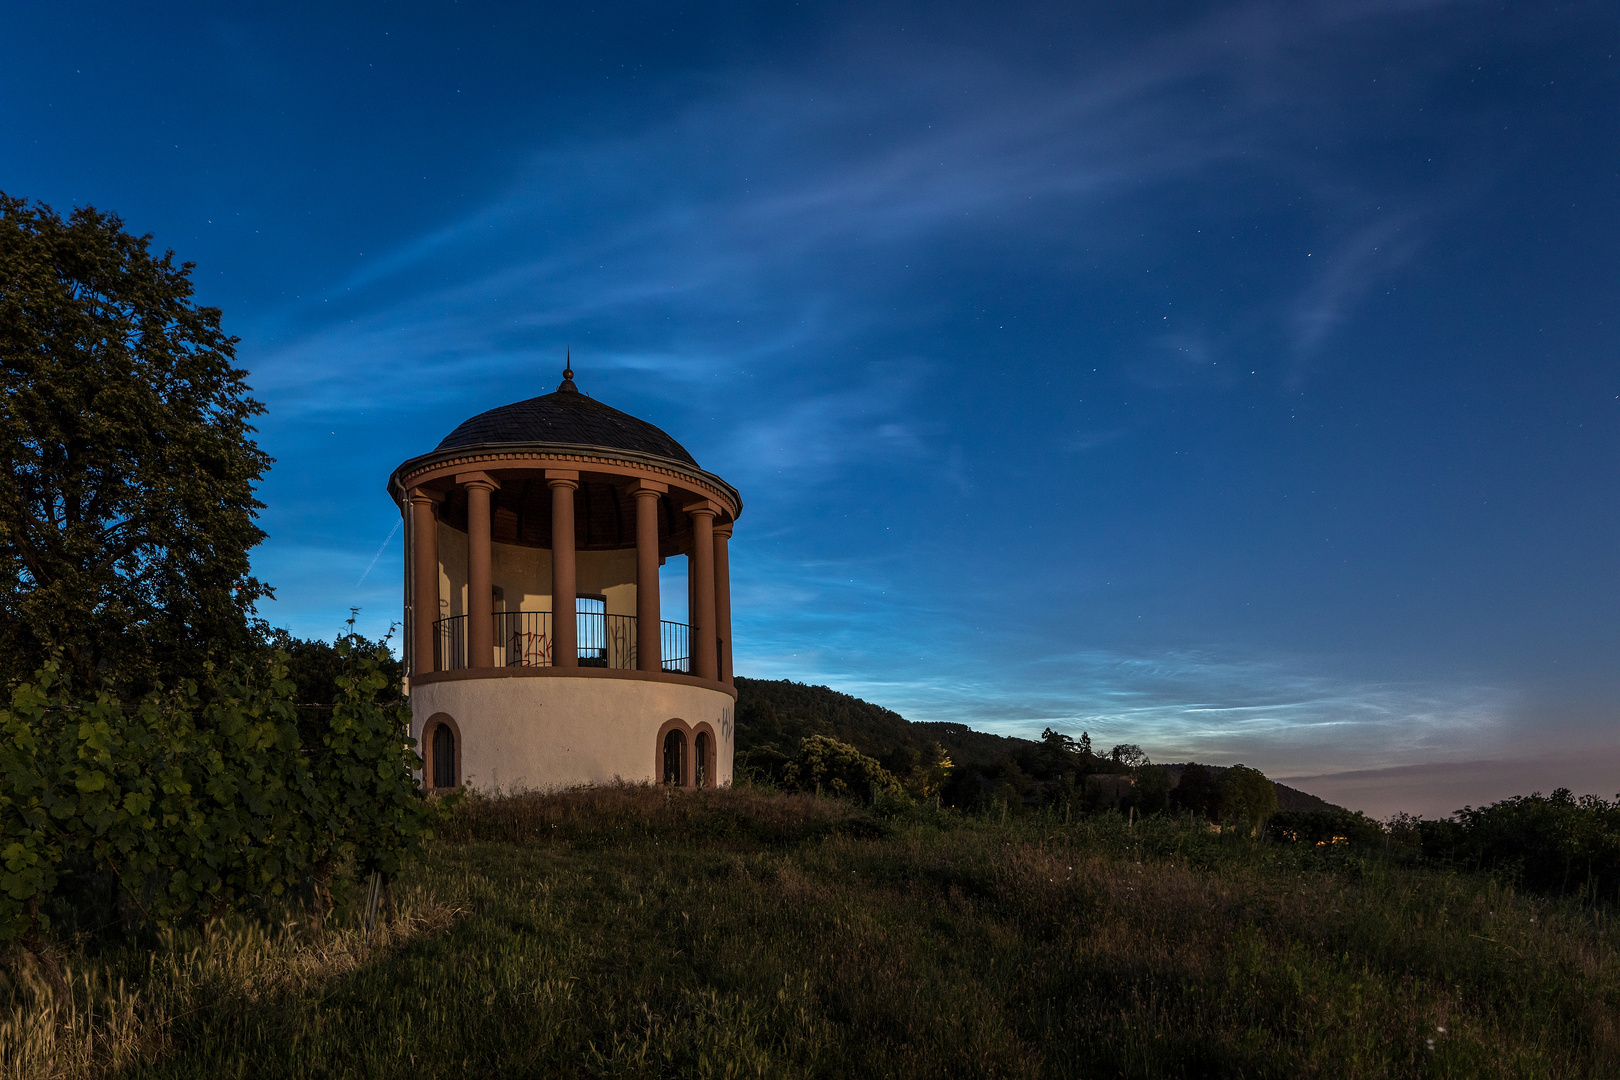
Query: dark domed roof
[566,416]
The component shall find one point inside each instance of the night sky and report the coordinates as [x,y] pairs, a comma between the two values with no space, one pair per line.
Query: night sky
[1238,380]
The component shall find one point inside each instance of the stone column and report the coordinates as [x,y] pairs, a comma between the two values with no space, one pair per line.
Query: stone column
[480,601]
[722,598]
[424,578]
[564,590]
[704,658]
[649,615]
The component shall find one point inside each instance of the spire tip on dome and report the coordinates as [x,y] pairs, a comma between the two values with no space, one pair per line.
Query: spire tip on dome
[567,385]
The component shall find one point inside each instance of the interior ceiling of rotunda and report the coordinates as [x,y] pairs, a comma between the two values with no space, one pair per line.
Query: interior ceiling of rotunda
[604,515]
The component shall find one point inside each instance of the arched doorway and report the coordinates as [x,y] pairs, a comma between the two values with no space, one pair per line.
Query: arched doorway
[675,758]
[444,757]
[702,753]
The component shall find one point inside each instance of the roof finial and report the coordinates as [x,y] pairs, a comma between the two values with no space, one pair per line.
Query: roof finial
[567,385]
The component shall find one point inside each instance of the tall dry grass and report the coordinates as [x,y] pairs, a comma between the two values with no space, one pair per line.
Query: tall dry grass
[635,931]
[633,813]
[643,932]
[122,1009]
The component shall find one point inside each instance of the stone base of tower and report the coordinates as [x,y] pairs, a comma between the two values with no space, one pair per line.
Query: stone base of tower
[537,729]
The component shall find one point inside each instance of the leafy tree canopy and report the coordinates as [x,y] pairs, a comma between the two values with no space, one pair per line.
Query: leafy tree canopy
[1129,755]
[1247,797]
[1196,790]
[840,769]
[127,503]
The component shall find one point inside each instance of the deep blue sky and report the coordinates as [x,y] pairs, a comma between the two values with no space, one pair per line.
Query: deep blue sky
[1235,379]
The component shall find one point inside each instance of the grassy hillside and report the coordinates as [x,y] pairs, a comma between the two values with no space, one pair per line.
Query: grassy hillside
[640,932]
[772,716]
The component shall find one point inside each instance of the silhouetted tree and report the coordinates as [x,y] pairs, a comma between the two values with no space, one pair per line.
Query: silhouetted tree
[1247,797]
[1195,791]
[1128,755]
[1151,793]
[127,489]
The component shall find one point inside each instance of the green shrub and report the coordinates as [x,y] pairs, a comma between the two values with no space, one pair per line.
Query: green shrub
[837,768]
[1549,843]
[1324,828]
[202,798]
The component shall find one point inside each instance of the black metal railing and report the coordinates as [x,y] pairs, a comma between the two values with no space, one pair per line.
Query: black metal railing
[525,639]
[675,641]
[450,644]
[607,640]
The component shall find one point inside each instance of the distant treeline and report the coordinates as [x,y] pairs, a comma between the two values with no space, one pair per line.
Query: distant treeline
[812,736]
[1556,844]
[815,738]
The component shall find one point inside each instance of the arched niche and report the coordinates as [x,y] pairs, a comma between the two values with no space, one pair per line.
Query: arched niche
[441,753]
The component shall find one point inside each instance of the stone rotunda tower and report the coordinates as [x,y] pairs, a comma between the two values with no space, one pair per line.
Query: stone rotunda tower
[537,651]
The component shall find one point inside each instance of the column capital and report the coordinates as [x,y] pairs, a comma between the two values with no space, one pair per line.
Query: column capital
[647,487]
[722,529]
[568,478]
[478,479]
[427,495]
[703,507]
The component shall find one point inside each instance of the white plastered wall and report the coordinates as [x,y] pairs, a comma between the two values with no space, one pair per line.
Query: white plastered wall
[539,733]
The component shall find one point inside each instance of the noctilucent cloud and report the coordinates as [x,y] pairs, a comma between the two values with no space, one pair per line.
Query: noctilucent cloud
[1238,380]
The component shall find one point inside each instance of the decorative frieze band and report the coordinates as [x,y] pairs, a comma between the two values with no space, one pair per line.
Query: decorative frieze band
[459,465]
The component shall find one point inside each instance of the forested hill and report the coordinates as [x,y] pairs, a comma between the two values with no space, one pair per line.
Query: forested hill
[772,716]
[1287,798]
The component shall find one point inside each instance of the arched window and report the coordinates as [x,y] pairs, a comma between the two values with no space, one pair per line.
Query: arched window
[700,753]
[444,757]
[675,758]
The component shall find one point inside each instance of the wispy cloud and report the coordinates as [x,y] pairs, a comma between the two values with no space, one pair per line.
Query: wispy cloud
[828,622]
[812,438]
[780,200]
[1280,714]
[1346,272]
[747,258]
